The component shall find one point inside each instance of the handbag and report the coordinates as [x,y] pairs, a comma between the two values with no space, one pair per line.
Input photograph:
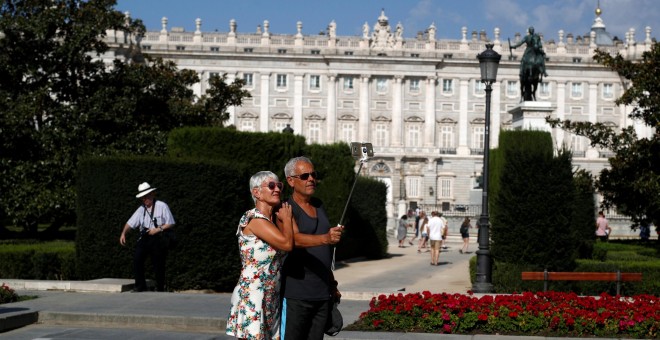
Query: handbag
[335,320]
[170,239]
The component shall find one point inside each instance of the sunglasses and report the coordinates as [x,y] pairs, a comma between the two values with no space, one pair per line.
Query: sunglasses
[305,176]
[272,185]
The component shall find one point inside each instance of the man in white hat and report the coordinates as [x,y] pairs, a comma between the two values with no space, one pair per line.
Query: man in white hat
[152,219]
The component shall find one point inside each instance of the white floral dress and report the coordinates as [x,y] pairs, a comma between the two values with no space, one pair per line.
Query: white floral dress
[255,303]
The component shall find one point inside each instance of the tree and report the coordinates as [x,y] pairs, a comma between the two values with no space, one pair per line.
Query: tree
[60,102]
[632,183]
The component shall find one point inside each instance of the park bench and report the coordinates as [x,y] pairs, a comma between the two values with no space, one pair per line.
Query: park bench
[547,276]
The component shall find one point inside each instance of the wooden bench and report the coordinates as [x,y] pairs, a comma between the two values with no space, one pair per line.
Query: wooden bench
[546,276]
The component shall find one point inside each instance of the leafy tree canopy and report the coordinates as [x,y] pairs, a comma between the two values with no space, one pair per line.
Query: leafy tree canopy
[59,101]
[632,183]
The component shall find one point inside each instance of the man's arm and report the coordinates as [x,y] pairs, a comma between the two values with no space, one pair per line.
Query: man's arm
[306,240]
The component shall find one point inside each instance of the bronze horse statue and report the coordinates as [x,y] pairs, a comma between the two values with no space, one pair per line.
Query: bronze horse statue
[532,65]
[530,77]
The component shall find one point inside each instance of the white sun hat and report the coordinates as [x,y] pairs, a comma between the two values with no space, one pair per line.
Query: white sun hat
[144,189]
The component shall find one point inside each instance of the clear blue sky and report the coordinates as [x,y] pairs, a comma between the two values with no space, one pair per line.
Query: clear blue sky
[511,16]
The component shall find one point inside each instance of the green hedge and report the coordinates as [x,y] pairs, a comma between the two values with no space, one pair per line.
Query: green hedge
[206,199]
[205,182]
[608,257]
[38,261]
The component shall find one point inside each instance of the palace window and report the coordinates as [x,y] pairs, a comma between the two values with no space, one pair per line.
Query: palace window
[414,135]
[215,49]
[445,186]
[413,186]
[348,132]
[511,88]
[247,125]
[381,135]
[281,80]
[316,51]
[446,136]
[479,87]
[447,86]
[248,78]
[414,85]
[314,82]
[281,50]
[576,90]
[381,85]
[314,132]
[544,88]
[608,91]
[348,83]
[478,137]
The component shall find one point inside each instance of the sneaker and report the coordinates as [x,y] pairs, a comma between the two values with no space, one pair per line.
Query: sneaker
[460,251]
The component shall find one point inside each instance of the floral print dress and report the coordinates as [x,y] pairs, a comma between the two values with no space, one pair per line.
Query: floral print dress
[255,303]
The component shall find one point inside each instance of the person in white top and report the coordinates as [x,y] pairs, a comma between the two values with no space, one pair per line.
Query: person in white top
[436,228]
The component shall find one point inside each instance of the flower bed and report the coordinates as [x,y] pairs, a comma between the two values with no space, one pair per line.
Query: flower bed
[541,314]
[7,294]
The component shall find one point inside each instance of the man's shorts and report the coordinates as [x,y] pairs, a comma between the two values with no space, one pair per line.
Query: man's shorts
[436,244]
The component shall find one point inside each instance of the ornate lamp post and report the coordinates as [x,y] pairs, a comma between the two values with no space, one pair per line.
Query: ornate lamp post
[488,62]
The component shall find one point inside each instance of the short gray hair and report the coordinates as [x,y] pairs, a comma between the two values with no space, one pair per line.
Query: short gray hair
[257,179]
[289,168]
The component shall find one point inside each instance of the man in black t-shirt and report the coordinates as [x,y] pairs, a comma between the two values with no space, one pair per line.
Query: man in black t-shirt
[308,284]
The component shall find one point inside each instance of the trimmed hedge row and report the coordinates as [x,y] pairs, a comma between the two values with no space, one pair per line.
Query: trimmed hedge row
[38,261]
[206,199]
[205,182]
[610,258]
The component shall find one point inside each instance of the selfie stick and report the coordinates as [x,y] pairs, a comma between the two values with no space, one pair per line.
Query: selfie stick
[362,161]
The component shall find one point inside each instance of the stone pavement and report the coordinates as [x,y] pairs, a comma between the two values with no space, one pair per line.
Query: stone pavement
[103,309]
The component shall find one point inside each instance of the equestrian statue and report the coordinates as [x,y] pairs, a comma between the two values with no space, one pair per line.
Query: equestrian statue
[532,65]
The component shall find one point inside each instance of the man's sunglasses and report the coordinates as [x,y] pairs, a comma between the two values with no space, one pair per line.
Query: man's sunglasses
[305,176]
[272,185]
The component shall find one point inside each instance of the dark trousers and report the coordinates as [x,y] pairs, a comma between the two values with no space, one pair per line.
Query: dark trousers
[305,319]
[153,247]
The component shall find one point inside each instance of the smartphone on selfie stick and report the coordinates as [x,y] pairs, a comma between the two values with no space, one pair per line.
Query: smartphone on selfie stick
[362,151]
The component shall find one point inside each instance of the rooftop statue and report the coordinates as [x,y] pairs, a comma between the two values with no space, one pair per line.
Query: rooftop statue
[532,65]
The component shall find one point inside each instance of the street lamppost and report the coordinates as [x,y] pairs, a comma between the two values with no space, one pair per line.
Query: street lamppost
[488,62]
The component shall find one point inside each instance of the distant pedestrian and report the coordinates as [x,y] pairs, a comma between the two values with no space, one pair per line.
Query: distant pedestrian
[424,230]
[402,230]
[644,231]
[436,226]
[603,229]
[445,230]
[151,219]
[465,234]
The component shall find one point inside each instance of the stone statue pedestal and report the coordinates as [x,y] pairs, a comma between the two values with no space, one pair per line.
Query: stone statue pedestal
[530,115]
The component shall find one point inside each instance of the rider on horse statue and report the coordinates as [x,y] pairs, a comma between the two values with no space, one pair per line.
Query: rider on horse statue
[532,65]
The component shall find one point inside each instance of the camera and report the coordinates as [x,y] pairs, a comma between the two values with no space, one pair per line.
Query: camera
[362,151]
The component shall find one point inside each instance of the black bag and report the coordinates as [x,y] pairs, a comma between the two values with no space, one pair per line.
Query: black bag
[464,229]
[170,239]
[335,320]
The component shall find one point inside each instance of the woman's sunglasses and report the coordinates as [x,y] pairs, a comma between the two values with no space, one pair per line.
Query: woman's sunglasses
[272,185]
[305,176]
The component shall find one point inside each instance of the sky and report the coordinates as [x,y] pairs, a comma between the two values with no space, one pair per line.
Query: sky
[510,16]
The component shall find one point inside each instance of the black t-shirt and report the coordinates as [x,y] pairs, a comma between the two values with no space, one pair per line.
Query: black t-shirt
[306,271]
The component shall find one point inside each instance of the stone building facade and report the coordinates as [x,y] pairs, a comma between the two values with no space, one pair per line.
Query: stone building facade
[418,100]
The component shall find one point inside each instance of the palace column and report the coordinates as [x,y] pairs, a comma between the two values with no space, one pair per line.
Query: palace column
[495,116]
[363,119]
[429,119]
[561,112]
[397,115]
[231,109]
[264,100]
[331,116]
[298,103]
[463,148]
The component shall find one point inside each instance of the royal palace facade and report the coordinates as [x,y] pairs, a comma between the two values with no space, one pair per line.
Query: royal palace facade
[418,100]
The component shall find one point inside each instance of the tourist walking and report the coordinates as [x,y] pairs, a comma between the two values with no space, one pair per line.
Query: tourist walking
[402,230]
[436,226]
[465,234]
